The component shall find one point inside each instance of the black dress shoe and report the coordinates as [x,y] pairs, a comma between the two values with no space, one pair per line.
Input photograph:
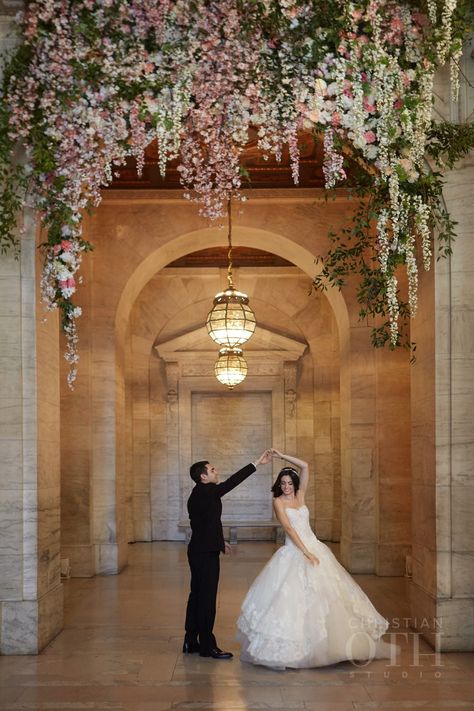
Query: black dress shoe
[190,647]
[217,653]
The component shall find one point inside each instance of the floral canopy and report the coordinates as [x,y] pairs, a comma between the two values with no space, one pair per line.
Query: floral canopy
[92,82]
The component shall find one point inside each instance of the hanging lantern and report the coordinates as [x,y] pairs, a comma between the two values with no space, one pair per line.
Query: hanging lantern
[231,367]
[231,321]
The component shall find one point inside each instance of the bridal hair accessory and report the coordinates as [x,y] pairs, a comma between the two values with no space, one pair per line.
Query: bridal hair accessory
[289,469]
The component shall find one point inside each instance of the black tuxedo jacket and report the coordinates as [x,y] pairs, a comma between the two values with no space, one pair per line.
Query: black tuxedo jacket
[205,509]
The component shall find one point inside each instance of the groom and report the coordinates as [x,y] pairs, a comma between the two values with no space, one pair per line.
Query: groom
[205,546]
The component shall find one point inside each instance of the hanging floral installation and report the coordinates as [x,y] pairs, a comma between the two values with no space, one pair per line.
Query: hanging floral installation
[92,82]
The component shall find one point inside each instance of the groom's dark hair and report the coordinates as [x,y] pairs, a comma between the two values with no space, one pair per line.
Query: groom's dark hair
[196,469]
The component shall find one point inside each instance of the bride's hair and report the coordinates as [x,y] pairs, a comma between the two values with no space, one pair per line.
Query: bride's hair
[286,471]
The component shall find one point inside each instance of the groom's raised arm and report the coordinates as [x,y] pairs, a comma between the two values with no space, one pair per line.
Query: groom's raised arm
[236,479]
[242,474]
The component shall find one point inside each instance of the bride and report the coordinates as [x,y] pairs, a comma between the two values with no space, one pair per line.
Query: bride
[304,609]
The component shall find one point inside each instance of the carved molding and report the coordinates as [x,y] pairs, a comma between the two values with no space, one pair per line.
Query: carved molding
[289,378]
[172,379]
[265,356]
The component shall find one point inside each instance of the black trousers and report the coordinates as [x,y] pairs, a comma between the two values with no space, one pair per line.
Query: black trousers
[201,608]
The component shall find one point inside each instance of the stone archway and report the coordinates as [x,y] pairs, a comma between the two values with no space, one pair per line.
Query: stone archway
[278,244]
[304,389]
[289,250]
[145,239]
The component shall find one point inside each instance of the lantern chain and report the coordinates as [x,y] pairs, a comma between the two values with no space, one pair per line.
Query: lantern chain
[229,235]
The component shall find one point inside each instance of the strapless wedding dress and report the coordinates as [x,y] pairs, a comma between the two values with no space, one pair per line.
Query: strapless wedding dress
[301,615]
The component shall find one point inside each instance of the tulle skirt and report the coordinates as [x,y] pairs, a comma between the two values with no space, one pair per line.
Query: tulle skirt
[301,615]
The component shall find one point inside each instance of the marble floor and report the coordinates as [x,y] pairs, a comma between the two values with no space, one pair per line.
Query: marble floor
[121,649]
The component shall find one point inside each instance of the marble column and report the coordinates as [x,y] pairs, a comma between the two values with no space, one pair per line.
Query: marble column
[31,594]
[141,439]
[76,452]
[324,347]
[392,461]
[358,447]
[442,588]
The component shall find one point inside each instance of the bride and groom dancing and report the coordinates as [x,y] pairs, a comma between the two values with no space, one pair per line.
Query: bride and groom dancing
[303,609]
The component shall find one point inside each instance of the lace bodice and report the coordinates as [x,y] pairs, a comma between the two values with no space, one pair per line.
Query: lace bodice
[299,519]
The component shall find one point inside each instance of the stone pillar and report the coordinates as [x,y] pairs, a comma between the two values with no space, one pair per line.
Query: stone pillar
[140,390]
[31,594]
[107,413]
[455,480]
[76,447]
[327,452]
[442,589]
[164,468]
[392,461]
[108,426]
[358,446]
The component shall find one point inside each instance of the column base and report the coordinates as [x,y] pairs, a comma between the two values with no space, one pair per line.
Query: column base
[81,560]
[110,558]
[391,559]
[27,626]
[447,624]
[358,557]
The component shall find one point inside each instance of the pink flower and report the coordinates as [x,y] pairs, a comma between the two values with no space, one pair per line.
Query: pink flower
[66,245]
[398,104]
[370,136]
[370,108]
[56,248]
[336,119]
[71,283]
[397,24]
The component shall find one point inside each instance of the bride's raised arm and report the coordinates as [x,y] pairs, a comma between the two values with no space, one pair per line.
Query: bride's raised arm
[304,473]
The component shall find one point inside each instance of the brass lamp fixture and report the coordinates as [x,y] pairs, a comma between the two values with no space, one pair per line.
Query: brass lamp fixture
[230,323]
[231,367]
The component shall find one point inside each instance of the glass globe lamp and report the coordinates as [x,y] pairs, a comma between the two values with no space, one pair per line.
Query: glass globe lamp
[231,367]
[231,321]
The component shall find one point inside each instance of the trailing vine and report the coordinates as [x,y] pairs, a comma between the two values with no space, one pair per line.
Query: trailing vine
[355,251]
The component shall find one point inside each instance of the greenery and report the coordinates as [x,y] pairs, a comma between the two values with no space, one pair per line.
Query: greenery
[353,251]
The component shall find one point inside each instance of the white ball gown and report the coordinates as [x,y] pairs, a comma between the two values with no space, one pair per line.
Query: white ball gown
[297,614]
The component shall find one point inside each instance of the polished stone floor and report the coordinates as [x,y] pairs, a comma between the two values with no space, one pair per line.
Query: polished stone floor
[120,649]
